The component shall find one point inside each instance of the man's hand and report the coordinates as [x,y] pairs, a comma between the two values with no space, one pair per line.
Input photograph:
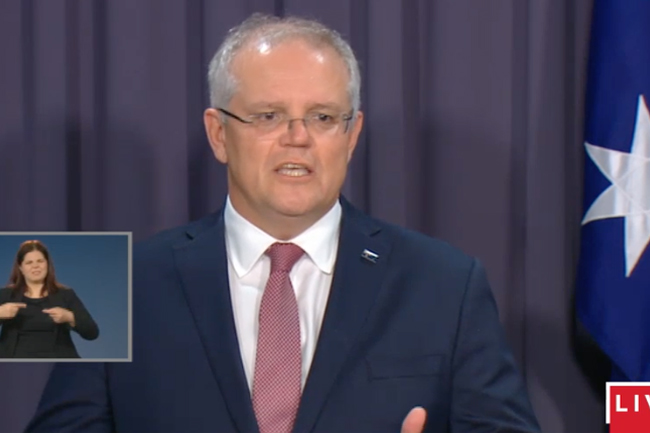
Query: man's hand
[60,315]
[10,309]
[414,421]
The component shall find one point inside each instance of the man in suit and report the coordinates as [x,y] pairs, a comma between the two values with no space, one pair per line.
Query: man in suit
[290,310]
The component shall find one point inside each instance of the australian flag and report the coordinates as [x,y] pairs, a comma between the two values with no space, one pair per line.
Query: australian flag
[613,286]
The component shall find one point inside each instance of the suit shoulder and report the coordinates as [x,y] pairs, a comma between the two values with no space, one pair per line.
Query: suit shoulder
[172,236]
[418,248]
[158,244]
[411,249]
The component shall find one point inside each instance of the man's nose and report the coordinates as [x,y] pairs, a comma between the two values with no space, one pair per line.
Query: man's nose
[297,132]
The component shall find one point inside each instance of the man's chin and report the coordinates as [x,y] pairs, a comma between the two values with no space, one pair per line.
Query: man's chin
[295,212]
[301,210]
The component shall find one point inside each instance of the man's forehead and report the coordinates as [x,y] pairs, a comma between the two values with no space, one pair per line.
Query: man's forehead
[298,49]
[290,67]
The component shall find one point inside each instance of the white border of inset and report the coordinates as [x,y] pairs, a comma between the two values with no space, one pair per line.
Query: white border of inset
[608,386]
[129,236]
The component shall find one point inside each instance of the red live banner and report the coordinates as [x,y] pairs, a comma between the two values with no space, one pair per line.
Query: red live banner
[628,407]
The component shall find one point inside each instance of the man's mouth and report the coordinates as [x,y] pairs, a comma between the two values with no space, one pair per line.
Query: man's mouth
[294,170]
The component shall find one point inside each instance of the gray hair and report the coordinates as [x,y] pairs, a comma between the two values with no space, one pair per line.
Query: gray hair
[274,30]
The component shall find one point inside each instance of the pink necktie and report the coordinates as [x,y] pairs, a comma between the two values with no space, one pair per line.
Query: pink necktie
[278,362]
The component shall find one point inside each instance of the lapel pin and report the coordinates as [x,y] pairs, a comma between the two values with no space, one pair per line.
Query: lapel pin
[370,256]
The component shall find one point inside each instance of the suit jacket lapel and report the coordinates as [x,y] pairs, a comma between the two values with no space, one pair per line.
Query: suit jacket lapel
[355,285]
[203,267]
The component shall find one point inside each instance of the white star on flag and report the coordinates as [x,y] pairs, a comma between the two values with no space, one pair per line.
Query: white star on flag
[629,194]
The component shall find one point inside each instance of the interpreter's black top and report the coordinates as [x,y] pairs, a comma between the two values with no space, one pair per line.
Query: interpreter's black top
[33,334]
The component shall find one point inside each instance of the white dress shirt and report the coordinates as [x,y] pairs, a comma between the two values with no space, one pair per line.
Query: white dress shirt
[311,277]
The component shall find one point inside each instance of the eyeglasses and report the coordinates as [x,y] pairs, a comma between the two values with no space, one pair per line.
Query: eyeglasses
[321,124]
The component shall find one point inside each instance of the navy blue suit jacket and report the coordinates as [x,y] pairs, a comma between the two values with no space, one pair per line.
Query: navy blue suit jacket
[418,327]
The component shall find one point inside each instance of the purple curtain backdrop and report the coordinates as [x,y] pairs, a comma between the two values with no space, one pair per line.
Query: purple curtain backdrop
[473,134]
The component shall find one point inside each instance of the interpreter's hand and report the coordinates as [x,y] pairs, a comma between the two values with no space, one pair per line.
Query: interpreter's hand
[10,309]
[60,315]
[414,421]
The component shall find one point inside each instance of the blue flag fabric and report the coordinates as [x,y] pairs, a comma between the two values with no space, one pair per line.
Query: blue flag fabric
[613,285]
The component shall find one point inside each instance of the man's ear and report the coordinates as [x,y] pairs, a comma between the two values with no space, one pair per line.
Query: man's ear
[354,134]
[215,130]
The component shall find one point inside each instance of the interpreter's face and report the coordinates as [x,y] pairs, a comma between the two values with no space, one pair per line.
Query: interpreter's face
[34,267]
[296,79]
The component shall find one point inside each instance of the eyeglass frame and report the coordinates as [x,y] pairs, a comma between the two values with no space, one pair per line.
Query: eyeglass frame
[346,117]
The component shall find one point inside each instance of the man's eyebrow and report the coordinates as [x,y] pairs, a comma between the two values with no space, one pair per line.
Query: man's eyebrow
[325,105]
[266,104]
[275,105]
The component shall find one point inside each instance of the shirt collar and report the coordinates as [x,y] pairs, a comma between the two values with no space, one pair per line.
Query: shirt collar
[246,242]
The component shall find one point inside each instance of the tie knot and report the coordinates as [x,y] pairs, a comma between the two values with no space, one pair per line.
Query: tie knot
[284,256]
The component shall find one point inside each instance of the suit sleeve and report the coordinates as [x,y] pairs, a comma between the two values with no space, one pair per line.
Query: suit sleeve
[85,326]
[488,392]
[75,400]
